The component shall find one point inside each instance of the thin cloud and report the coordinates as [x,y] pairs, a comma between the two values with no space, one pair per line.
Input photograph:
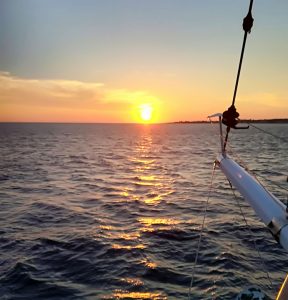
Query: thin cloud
[38,94]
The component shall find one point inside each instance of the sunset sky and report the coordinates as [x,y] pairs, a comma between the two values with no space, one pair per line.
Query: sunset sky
[106,60]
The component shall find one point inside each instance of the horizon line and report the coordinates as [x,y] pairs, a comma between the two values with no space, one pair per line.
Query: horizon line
[285,120]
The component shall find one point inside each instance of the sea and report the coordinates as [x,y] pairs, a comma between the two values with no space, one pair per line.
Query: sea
[115,211]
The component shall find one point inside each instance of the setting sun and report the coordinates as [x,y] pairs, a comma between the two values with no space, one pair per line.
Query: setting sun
[146,112]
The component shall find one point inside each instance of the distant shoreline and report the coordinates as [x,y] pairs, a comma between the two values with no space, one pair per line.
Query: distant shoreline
[268,121]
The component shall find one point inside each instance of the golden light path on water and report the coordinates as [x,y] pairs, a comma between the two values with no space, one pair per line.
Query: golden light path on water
[136,295]
[150,186]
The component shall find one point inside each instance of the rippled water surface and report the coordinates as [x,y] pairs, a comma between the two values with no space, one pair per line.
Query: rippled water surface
[115,212]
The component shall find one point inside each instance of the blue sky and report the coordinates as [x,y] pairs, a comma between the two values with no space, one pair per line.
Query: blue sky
[147,45]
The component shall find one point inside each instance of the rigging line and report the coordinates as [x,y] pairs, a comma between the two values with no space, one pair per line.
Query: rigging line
[230,116]
[269,180]
[239,68]
[201,232]
[216,133]
[264,266]
[253,173]
[269,133]
[247,30]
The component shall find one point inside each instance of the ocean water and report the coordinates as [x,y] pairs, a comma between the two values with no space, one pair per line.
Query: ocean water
[99,211]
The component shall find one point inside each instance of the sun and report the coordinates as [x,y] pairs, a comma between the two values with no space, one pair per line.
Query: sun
[146,112]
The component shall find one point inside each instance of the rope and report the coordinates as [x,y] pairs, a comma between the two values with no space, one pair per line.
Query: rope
[201,233]
[255,175]
[247,25]
[269,180]
[244,165]
[269,133]
[264,267]
[230,116]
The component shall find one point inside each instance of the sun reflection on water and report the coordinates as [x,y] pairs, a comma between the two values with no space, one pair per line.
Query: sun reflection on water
[119,294]
[133,281]
[148,185]
[149,264]
[151,183]
[158,221]
[128,247]
[130,236]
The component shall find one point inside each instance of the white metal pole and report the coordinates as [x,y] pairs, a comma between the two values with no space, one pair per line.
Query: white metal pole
[270,210]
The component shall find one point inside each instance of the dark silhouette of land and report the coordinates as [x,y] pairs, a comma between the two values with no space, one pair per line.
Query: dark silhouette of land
[268,121]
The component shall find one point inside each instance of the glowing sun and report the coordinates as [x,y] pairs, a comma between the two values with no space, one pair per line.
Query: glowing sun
[146,112]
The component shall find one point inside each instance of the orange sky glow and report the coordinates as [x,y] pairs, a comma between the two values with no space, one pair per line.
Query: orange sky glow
[29,100]
[150,66]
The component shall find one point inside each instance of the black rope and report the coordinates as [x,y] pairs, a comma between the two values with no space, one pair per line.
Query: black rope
[247,25]
[230,116]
